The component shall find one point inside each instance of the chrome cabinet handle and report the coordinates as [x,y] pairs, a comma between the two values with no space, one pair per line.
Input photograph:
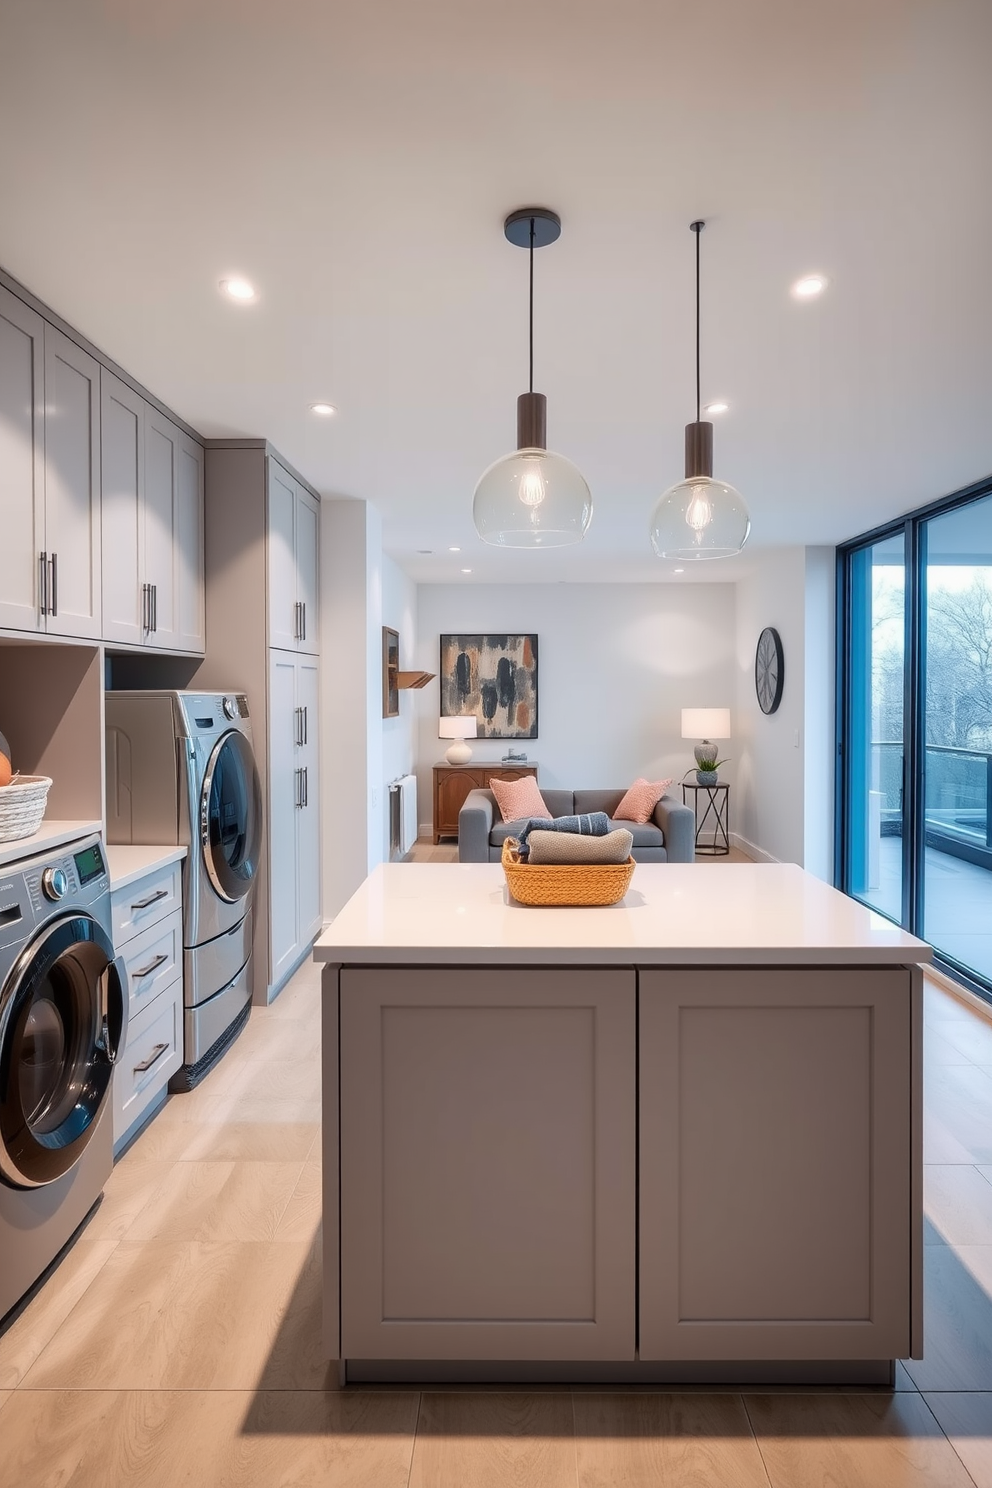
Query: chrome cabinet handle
[306,725]
[146,614]
[154,589]
[303,607]
[152,899]
[154,1056]
[43,585]
[153,965]
[298,713]
[55,583]
[306,785]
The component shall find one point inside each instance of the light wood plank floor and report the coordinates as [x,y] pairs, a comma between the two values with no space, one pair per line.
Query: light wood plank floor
[178,1342]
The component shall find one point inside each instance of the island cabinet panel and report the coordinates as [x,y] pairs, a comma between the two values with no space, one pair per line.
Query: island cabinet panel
[777,1212]
[488,1164]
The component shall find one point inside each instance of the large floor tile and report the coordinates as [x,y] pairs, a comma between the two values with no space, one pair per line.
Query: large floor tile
[967,1422]
[301,1220]
[957,1200]
[195,1317]
[217,1135]
[495,1440]
[940,1049]
[957,1320]
[133,1183]
[157,1439]
[972,1037]
[642,1440]
[220,1201]
[41,1320]
[853,1441]
[904,1380]
[960,1097]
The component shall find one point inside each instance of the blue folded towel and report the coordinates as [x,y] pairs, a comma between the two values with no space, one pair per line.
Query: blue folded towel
[589,824]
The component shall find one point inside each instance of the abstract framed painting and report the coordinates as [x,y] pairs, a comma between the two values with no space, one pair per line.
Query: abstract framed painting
[493,679]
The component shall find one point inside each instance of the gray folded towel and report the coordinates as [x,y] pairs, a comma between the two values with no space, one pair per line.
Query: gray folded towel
[570,847]
[588,824]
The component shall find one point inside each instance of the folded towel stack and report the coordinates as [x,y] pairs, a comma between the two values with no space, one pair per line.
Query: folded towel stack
[589,824]
[571,847]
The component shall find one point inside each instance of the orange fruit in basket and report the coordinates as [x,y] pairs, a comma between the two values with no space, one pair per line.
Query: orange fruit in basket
[5,770]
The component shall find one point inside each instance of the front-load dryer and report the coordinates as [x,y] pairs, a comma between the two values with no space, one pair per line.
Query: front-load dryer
[63,1015]
[180,770]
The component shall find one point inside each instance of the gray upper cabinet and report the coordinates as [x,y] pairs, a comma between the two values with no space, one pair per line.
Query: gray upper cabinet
[49,477]
[22,464]
[292,551]
[152,525]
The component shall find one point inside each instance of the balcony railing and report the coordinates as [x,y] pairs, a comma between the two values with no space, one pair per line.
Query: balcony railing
[957,797]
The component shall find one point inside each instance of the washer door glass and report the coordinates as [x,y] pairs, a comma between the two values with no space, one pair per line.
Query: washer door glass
[231,817]
[62,1012]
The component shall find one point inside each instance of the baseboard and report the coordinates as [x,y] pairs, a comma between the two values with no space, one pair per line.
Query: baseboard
[959,990]
[751,849]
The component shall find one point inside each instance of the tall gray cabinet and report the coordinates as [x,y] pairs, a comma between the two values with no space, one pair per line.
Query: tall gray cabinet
[262,557]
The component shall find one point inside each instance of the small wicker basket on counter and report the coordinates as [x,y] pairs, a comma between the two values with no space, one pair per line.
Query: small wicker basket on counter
[565,884]
[22,806]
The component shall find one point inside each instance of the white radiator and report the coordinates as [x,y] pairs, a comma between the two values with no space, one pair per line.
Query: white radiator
[403,813]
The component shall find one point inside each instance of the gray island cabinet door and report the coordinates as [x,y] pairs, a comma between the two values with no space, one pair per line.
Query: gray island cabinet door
[779,1215]
[487,1164]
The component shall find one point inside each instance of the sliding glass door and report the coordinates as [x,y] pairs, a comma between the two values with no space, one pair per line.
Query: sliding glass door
[915,745]
[957,699]
[877,686]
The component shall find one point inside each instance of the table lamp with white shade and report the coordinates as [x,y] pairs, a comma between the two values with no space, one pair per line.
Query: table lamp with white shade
[706,724]
[458,729]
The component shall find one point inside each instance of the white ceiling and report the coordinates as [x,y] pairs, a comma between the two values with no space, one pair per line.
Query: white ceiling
[355,160]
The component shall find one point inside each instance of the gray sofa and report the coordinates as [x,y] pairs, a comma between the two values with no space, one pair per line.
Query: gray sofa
[669,837]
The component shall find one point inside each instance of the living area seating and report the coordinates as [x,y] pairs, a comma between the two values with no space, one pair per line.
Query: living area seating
[669,837]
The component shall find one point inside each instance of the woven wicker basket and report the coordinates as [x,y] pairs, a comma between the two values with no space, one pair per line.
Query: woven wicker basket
[565,883]
[22,806]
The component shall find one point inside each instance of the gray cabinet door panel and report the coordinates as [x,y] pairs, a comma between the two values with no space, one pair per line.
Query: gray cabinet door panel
[22,474]
[72,486]
[487,1164]
[775,1163]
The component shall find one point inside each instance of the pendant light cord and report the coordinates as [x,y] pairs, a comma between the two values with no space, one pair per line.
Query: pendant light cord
[697,228]
[532,230]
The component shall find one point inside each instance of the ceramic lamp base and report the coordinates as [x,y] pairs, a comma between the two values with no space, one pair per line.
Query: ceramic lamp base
[458,753]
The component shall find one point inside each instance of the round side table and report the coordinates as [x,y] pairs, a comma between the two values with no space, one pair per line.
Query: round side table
[715,820]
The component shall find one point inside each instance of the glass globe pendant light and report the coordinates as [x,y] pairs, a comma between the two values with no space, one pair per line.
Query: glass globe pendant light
[532,498]
[700,517]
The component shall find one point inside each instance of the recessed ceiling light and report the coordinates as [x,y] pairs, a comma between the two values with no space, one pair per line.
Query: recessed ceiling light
[809,287]
[454,550]
[716,407]
[324,409]
[466,570]
[680,570]
[238,289]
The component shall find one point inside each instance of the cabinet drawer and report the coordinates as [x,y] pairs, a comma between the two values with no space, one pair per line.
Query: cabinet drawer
[153,958]
[146,901]
[153,1052]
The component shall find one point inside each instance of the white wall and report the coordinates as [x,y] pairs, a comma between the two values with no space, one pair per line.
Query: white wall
[616,664]
[783,803]
[399,611]
[351,697]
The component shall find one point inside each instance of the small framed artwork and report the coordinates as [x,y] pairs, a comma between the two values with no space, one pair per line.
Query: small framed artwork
[390,673]
[493,679]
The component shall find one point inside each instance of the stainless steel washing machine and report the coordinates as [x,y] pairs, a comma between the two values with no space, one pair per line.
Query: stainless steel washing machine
[180,769]
[63,1016]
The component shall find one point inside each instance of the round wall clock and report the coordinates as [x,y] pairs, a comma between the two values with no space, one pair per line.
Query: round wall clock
[769,670]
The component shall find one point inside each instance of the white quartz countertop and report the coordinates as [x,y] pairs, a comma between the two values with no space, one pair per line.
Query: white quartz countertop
[674,914]
[128,863]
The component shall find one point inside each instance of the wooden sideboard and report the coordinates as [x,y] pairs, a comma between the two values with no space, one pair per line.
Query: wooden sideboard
[452,784]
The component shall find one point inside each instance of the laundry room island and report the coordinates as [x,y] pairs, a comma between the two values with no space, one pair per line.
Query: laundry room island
[679,1139]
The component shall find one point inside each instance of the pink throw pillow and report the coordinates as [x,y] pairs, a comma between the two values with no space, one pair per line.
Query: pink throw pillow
[519,798]
[641,799]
